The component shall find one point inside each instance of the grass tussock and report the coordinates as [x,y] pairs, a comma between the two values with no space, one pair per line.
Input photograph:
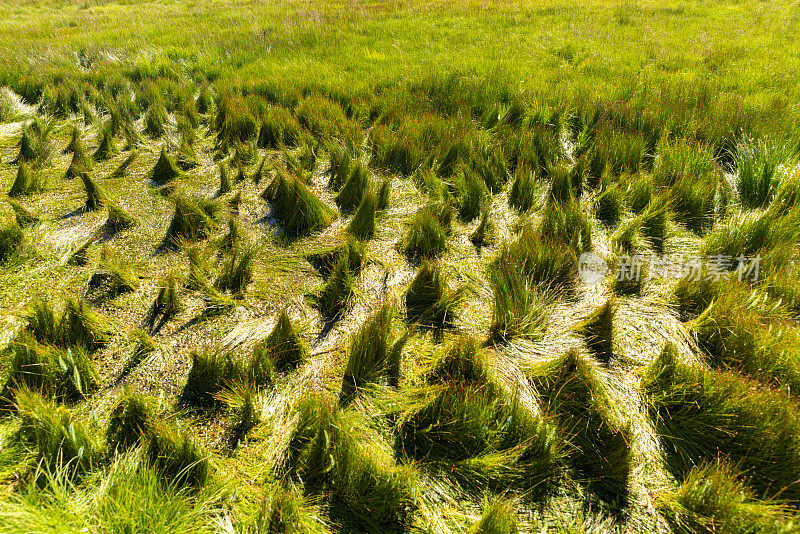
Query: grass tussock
[462,426]
[352,191]
[298,210]
[112,279]
[523,193]
[362,225]
[165,170]
[324,260]
[706,415]
[333,298]
[499,516]
[372,355]
[284,346]
[95,197]
[427,232]
[118,220]
[23,215]
[62,443]
[576,395]
[598,331]
[430,303]
[192,219]
[167,303]
[177,456]
[237,271]
[758,167]
[11,239]
[212,370]
[107,149]
[27,182]
[331,452]
[483,234]
[52,372]
[130,422]
[123,168]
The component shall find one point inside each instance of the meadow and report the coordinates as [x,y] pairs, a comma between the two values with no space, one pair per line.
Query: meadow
[304,266]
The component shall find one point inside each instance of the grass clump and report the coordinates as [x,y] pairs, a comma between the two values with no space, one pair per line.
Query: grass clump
[94,195]
[167,303]
[118,219]
[285,347]
[24,216]
[362,225]
[237,271]
[331,452]
[212,370]
[112,279]
[80,327]
[711,499]
[598,331]
[499,517]
[371,355]
[426,236]
[520,309]
[124,167]
[464,427]
[324,260]
[224,181]
[107,149]
[53,372]
[470,192]
[484,233]
[192,220]
[62,443]
[279,128]
[522,195]
[608,206]
[332,299]
[11,238]
[27,182]
[759,177]
[352,191]
[165,169]
[186,158]
[429,302]
[130,422]
[176,456]
[299,211]
[706,415]
[575,394]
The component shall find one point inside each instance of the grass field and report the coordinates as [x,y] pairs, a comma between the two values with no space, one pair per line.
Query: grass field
[314,266]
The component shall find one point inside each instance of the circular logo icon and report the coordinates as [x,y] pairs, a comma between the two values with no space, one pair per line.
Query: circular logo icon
[591,268]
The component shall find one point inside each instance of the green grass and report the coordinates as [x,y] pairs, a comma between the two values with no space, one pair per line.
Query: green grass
[483,145]
[704,415]
[298,210]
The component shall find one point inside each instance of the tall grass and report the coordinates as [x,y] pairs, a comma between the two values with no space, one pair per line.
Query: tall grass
[165,169]
[130,422]
[192,220]
[429,301]
[352,191]
[24,216]
[362,225]
[212,370]
[177,457]
[757,164]
[426,236]
[705,415]
[11,240]
[465,429]
[284,346]
[575,393]
[62,442]
[333,298]
[27,182]
[711,499]
[299,211]
[598,331]
[332,453]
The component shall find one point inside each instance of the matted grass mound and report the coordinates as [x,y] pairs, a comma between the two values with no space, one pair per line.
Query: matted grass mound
[298,210]
[192,219]
[704,415]
[430,303]
[165,169]
[362,225]
[284,346]
[332,452]
[576,395]
[466,428]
